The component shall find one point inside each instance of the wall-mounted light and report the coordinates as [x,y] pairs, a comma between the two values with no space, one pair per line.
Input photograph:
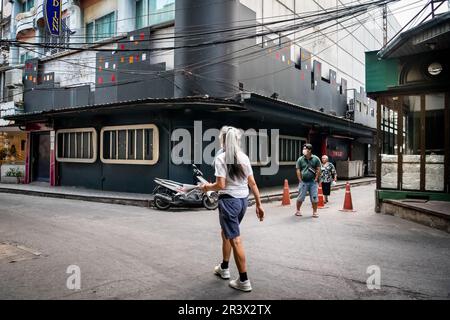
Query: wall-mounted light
[435,68]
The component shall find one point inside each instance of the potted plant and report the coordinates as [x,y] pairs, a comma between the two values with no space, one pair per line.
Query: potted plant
[19,176]
[13,175]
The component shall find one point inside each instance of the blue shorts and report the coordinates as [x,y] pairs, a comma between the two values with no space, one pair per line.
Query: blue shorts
[312,187]
[231,213]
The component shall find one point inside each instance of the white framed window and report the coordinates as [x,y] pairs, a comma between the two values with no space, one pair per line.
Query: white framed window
[76,145]
[133,144]
[290,149]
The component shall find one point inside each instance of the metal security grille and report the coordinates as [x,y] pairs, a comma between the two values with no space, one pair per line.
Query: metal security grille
[76,145]
[137,144]
[290,149]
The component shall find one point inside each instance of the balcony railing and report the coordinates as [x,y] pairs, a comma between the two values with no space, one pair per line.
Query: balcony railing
[8,109]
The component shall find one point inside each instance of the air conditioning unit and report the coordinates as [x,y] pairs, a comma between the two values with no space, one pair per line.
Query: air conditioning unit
[15,95]
[13,78]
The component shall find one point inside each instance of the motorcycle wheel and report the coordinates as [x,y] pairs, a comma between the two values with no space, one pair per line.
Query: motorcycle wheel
[212,202]
[161,204]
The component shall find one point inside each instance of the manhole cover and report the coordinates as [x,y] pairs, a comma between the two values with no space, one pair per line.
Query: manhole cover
[10,253]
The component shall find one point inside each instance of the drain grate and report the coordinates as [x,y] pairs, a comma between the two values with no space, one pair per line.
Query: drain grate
[10,253]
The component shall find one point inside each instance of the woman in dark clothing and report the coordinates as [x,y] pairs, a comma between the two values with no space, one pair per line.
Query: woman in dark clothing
[327,177]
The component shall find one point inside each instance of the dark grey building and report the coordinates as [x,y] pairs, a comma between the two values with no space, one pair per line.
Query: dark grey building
[117,133]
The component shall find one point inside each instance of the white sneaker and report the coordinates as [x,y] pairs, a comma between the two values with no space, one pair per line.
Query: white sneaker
[243,286]
[223,273]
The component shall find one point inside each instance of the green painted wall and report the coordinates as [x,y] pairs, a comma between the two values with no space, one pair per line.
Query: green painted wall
[380,74]
[400,195]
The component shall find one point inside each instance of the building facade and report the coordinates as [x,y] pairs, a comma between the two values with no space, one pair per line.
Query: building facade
[410,80]
[103,101]
[12,139]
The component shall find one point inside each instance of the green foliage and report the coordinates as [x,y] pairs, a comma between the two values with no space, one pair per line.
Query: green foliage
[14,173]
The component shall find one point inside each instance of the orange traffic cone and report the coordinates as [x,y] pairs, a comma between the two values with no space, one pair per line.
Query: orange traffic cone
[348,205]
[286,196]
[321,203]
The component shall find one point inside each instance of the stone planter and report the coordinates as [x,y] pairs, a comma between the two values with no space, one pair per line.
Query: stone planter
[10,180]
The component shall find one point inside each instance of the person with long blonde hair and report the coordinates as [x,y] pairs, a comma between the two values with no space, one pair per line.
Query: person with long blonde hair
[234,176]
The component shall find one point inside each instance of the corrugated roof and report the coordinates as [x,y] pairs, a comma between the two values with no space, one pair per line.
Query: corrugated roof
[317,114]
[426,37]
[137,102]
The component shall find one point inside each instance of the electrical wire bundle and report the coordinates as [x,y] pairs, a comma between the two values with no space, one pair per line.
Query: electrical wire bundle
[322,23]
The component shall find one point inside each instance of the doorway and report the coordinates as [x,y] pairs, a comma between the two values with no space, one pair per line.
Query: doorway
[40,165]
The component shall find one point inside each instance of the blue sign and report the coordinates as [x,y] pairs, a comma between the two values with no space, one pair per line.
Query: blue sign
[52,13]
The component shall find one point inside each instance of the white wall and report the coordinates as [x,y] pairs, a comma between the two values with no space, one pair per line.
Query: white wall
[99,9]
[163,56]
[74,69]
[341,47]
[70,73]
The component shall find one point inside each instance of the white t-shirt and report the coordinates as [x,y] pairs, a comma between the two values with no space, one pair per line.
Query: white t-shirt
[236,188]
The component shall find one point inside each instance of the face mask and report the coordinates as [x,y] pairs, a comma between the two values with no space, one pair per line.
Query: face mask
[305,152]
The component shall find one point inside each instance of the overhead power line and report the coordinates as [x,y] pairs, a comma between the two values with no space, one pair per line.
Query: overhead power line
[325,18]
[159,73]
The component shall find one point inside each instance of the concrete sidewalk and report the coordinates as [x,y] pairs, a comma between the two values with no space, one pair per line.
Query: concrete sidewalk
[137,199]
[76,193]
[276,193]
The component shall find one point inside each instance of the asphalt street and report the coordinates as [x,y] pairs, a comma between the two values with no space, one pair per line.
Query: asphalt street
[137,253]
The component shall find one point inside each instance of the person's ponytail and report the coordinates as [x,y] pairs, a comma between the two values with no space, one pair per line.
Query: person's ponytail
[232,148]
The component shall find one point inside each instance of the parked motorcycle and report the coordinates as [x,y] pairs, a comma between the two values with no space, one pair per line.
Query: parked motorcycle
[172,193]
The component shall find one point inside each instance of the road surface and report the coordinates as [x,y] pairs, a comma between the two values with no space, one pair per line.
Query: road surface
[136,253]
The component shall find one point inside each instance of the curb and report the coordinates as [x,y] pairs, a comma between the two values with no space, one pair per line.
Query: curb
[148,203]
[122,201]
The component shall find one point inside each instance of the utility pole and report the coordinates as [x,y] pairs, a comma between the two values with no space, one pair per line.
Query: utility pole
[433,7]
[385,25]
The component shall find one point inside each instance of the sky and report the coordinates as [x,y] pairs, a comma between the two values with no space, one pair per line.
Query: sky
[403,15]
